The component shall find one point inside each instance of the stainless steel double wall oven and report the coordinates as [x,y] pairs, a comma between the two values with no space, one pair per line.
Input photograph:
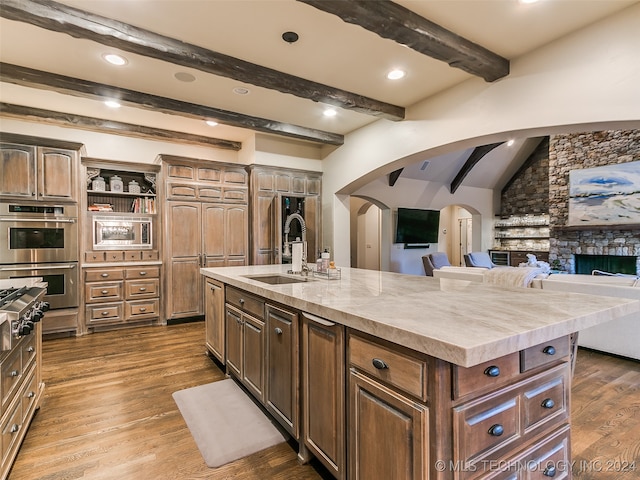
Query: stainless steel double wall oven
[41,240]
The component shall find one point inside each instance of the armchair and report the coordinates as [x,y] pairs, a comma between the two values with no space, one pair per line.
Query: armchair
[478,259]
[434,261]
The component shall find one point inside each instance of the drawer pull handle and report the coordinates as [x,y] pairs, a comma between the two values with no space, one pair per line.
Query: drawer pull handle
[379,364]
[14,373]
[550,471]
[31,394]
[14,428]
[105,313]
[278,331]
[550,350]
[104,275]
[548,403]
[143,309]
[31,349]
[143,273]
[492,371]
[242,301]
[143,289]
[496,430]
[104,292]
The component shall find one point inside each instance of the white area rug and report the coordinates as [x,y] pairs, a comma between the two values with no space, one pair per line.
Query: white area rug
[225,422]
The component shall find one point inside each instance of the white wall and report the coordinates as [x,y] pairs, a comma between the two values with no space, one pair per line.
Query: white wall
[585,81]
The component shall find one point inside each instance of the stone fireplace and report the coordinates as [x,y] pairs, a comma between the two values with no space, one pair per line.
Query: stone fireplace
[626,264]
[588,248]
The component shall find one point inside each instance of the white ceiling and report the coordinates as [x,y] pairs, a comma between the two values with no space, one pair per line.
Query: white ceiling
[329,51]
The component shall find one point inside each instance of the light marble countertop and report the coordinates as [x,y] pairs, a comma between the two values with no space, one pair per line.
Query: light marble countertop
[462,322]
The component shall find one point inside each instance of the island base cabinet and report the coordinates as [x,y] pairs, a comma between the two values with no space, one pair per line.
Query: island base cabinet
[388,433]
[214,319]
[282,367]
[245,350]
[323,364]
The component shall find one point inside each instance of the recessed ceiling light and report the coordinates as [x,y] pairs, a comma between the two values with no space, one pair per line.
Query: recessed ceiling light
[510,142]
[184,77]
[114,59]
[330,112]
[112,104]
[211,123]
[528,1]
[396,74]
[241,91]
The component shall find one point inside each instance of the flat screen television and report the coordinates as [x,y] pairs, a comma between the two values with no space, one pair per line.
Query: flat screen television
[417,226]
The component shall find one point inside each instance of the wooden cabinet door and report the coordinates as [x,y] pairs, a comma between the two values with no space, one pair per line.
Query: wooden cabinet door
[263,222]
[253,350]
[233,324]
[56,174]
[323,364]
[17,171]
[388,433]
[214,318]
[184,282]
[236,233]
[213,232]
[312,218]
[282,367]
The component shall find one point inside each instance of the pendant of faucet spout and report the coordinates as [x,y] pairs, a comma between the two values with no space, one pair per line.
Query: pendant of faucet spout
[287,226]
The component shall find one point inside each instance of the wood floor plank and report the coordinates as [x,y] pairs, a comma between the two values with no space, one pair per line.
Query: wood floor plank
[108,413]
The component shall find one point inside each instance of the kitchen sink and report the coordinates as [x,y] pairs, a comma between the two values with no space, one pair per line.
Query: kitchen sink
[277,279]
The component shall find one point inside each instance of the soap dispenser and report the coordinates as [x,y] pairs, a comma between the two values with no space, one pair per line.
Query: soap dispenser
[325,260]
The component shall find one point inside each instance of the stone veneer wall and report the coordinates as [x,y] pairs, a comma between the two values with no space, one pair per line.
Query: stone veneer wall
[529,191]
[587,150]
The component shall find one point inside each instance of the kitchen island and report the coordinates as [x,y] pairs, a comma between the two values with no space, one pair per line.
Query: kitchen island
[382,375]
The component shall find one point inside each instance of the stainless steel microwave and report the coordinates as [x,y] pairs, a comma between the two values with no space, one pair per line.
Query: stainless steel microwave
[119,232]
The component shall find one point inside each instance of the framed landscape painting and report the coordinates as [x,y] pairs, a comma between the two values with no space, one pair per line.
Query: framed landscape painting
[608,195]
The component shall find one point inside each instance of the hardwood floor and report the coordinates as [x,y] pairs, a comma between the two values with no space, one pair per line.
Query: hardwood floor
[108,413]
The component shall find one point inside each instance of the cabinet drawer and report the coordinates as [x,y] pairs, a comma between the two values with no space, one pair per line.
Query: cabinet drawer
[101,275]
[29,393]
[397,369]
[142,272]
[235,195]
[245,302]
[114,256]
[132,255]
[142,288]
[94,257]
[483,427]
[544,353]
[103,291]
[104,312]
[142,309]
[29,351]
[11,374]
[11,428]
[545,399]
[486,375]
[149,255]
[551,460]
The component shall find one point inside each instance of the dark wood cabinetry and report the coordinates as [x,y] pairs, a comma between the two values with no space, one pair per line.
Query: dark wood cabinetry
[214,316]
[38,173]
[245,340]
[323,393]
[282,365]
[205,225]
[268,185]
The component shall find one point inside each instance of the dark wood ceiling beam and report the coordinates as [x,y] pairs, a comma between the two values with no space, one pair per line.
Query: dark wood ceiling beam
[393,176]
[28,77]
[81,24]
[109,126]
[471,162]
[395,22]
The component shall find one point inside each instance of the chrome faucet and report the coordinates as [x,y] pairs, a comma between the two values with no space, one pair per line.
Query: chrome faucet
[303,227]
